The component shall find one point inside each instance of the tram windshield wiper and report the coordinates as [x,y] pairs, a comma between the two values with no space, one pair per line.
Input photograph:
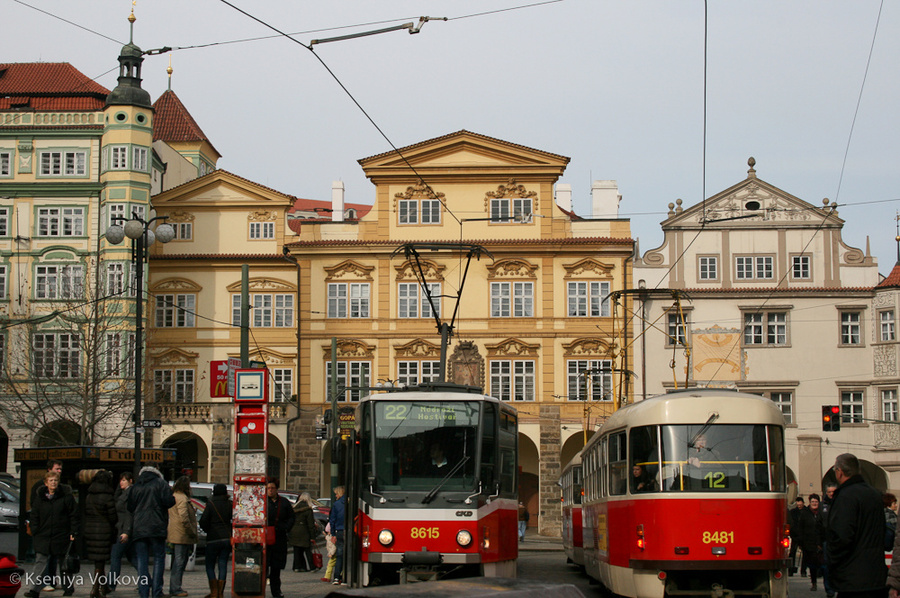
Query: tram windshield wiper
[430,496]
[702,431]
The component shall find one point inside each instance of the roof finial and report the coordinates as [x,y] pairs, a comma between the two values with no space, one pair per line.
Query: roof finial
[169,70]
[897,238]
[131,20]
[751,174]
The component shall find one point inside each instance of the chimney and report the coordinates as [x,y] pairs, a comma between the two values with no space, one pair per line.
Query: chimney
[564,196]
[337,201]
[605,199]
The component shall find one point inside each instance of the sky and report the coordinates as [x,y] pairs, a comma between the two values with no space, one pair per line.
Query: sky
[809,88]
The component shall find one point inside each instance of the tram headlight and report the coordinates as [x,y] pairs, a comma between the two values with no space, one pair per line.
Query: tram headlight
[463,537]
[386,537]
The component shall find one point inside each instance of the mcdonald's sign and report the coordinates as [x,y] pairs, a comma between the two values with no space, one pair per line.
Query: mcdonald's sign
[218,379]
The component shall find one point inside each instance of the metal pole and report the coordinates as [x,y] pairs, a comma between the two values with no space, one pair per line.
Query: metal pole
[138,257]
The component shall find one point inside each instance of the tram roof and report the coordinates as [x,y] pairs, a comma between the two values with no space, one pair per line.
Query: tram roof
[695,406]
[431,395]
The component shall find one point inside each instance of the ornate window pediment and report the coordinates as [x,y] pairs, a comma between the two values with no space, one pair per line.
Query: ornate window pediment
[588,267]
[588,346]
[511,190]
[174,357]
[258,285]
[512,347]
[271,358]
[350,349]
[409,271]
[417,348]
[512,268]
[262,216]
[418,191]
[349,269]
[180,216]
[177,284]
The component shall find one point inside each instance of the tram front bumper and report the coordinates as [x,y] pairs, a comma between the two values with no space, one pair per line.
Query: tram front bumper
[424,558]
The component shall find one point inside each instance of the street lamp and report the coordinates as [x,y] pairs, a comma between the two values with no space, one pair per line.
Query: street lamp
[138,230]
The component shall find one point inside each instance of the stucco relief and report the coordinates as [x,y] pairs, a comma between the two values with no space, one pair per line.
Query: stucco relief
[716,354]
[262,216]
[180,216]
[590,267]
[419,191]
[431,270]
[174,357]
[883,300]
[263,284]
[347,348]
[511,189]
[417,348]
[271,357]
[654,258]
[465,365]
[512,268]
[885,360]
[512,347]
[887,435]
[177,284]
[349,269]
[588,346]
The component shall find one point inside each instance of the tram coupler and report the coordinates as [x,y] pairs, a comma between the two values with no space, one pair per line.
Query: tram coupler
[417,573]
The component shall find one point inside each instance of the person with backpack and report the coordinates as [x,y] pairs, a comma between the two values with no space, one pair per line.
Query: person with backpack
[216,522]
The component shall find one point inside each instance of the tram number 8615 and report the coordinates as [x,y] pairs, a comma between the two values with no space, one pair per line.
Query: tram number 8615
[417,533]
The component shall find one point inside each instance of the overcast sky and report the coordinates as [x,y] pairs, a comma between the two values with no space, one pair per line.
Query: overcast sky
[616,86]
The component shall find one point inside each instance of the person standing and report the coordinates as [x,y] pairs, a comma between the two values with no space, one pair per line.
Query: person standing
[182,533]
[280,516]
[216,522]
[794,517]
[100,527]
[809,539]
[336,520]
[152,498]
[824,509]
[54,524]
[123,531]
[523,520]
[303,535]
[855,534]
[890,520]
[56,466]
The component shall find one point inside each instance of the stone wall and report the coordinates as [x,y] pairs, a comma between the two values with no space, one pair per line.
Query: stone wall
[550,518]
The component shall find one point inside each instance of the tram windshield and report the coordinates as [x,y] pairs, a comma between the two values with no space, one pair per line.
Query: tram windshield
[417,445]
[708,458]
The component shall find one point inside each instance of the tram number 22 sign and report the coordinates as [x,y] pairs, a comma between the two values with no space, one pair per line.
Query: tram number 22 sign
[718,537]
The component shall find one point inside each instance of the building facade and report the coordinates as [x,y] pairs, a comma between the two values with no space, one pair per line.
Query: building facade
[755,289]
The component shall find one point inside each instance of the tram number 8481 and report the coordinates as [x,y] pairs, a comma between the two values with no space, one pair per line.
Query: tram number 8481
[718,537]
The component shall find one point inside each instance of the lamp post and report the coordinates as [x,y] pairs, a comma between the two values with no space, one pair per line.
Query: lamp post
[138,230]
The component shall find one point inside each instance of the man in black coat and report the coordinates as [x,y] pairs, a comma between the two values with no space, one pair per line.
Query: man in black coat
[855,534]
[152,498]
[280,515]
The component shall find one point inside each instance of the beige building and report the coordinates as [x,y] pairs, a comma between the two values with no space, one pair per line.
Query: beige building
[755,289]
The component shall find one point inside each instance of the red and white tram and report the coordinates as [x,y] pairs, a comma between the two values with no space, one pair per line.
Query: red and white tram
[433,477]
[572,495]
[685,495]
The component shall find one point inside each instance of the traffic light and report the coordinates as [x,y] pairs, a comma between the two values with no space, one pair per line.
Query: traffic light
[831,418]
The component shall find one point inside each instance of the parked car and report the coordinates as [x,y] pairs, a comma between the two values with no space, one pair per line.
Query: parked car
[10,479]
[9,509]
[203,491]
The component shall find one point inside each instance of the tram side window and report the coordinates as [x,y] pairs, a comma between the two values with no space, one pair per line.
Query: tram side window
[644,459]
[576,486]
[618,464]
[489,446]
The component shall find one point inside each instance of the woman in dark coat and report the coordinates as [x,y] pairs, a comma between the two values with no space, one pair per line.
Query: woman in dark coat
[54,523]
[99,527]
[216,522]
[303,535]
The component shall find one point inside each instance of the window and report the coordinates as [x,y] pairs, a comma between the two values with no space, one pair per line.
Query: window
[139,159]
[268,310]
[852,407]
[4,222]
[889,405]
[116,212]
[114,354]
[512,380]
[754,267]
[55,355]
[348,300]
[419,211]
[588,299]
[175,311]
[800,267]
[352,379]
[262,230]
[589,379]
[119,157]
[63,163]
[765,328]
[60,222]
[887,325]
[676,331]
[5,163]
[115,278]
[184,231]
[283,381]
[174,386]
[851,326]
[411,373]
[512,299]
[514,209]
[784,400]
[411,305]
[2,353]
[709,268]
[59,282]
[3,282]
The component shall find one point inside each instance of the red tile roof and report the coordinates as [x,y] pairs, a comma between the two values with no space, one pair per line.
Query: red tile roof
[173,122]
[892,280]
[48,86]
